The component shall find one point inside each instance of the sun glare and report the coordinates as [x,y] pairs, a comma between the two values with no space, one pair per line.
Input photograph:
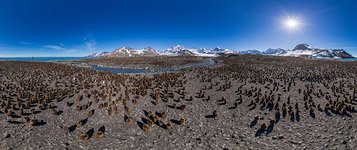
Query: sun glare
[292,24]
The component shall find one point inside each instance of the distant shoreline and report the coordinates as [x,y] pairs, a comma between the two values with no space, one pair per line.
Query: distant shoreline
[40,59]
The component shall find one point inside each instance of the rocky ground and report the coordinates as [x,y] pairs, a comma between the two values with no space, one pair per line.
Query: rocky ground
[245,102]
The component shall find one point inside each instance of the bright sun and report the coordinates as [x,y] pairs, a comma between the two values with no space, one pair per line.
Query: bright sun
[291,24]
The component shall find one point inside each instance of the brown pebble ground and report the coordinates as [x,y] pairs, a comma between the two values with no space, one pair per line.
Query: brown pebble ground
[245,102]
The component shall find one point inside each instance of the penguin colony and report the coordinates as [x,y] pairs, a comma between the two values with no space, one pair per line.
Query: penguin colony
[271,90]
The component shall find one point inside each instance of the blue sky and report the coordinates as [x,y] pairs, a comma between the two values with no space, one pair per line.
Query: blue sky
[78,28]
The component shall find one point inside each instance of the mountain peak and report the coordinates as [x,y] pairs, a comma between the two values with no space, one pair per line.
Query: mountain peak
[181,50]
[128,52]
[124,48]
[303,50]
[302,47]
[179,46]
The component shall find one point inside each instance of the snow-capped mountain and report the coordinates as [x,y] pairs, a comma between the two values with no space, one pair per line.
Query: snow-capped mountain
[270,51]
[216,51]
[127,52]
[341,53]
[303,50]
[278,51]
[148,51]
[253,52]
[181,50]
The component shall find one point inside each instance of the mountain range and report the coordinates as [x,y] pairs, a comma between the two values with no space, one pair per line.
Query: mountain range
[127,52]
[301,50]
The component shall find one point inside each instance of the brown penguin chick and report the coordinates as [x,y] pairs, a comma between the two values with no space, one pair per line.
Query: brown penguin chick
[150,114]
[146,128]
[110,111]
[116,110]
[32,122]
[150,122]
[128,119]
[79,108]
[157,118]
[99,134]
[183,120]
[100,106]
[79,123]
[154,119]
[91,113]
[169,126]
[84,137]
[127,109]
